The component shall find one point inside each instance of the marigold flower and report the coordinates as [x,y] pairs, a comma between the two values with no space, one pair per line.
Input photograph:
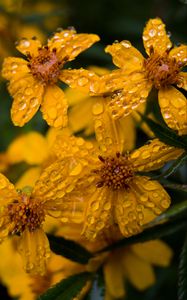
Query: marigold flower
[33,82]
[130,85]
[101,187]
[23,213]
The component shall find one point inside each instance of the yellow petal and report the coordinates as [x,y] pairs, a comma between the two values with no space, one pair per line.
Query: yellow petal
[14,68]
[7,191]
[30,147]
[179,54]
[109,133]
[35,251]
[153,156]
[125,56]
[97,213]
[173,106]
[29,178]
[183,80]
[27,94]
[74,96]
[155,36]
[129,132]
[54,107]
[155,252]
[113,275]
[84,80]
[139,205]
[138,272]
[29,46]
[135,91]
[69,44]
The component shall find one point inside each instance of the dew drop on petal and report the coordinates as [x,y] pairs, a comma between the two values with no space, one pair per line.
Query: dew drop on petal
[97,109]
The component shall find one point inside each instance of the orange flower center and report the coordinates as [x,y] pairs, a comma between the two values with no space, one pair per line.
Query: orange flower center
[27,213]
[162,70]
[45,67]
[116,172]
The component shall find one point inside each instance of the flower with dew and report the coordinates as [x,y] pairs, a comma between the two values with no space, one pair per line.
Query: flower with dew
[130,84]
[33,82]
[101,186]
[23,213]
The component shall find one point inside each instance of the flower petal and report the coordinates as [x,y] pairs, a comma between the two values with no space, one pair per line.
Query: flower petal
[154,36]
[14,68]
[153,156]
[27,94]
[135,91]
[30,147]
[29,46]
[29,178]
[109,133]
[7,191]
[180,54]
[154,252]
[125,56]
[183,80]
[98,213]
[35,251]
[86,81]
[69,44]
[54,107]
[144,201]
[173,106]
[113,275]
[139,272]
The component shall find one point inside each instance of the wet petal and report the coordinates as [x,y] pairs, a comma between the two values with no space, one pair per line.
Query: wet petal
[69,44]
[173,106]
[98,213]
[35,251]
[139,272]
[180,54]
[125,56]
[27,94]
[153,156]
[29,46]
[113,275]
[135,92]
[54,107]
[30,147]
[183,80]
[143,202]
[154,36]
[14,68]
[29,178]
[86,81]
[7,191]
[154,252]
[109,133]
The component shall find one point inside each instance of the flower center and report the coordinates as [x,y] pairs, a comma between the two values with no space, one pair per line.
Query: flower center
[162,70]
[116,172]
[27,213]
[45,67]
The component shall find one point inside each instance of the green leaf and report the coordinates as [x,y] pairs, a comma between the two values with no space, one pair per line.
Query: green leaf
[182,276]
[174,186]
[68,288]
[69,249]
[148,234]
[165,134]
[173,168]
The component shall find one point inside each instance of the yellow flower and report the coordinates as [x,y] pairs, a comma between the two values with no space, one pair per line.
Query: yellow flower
[134,263]
[101,187]
[23,213]
[130,85]
[33,82]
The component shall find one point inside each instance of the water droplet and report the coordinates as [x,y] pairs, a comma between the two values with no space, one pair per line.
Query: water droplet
[145,154]
[76,170]
[25,43]
[82,81]
[152,32]
[22,105]
[95,86]
[95,206]
[98,109]
[28,91]
[126,44]
[34,101]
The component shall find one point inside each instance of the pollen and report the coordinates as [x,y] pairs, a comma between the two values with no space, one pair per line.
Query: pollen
[162,70]
[46,66]
[25,213]
[116,172]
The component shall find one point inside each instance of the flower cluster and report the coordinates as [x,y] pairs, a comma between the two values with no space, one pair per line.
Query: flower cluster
[98,189]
